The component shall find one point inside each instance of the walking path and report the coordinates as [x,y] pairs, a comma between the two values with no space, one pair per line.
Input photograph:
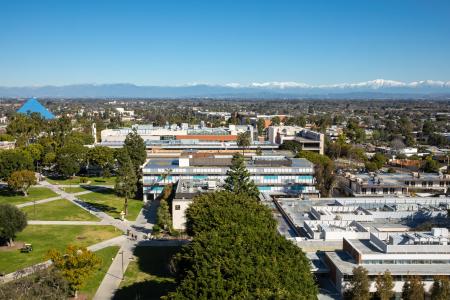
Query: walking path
[38,222]
[38,201]
[114,276]
[141,229]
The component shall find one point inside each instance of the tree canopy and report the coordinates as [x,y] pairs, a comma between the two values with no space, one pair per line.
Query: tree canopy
[323,169]
[238,178]
[126,179]
[21,181]
[135,147]
[12,221]
[75,264]
[237,253]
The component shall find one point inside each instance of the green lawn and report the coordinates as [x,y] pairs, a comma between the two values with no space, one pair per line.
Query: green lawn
[58,210]
[46,237]
[73,190]
[108,202]
[34,193]
[93,282]
[148,277]
[94,180]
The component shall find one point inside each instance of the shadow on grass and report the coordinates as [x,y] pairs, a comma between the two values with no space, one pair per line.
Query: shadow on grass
[153,261]
[102,207]
[98,189]
[149,289]
[6,192]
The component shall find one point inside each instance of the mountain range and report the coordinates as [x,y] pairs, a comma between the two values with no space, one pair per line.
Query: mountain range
[374,89]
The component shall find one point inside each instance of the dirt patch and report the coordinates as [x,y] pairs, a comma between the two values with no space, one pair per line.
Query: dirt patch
[17,246]
[80,237]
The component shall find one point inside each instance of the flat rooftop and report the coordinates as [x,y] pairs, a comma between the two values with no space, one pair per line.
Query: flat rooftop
[345,264]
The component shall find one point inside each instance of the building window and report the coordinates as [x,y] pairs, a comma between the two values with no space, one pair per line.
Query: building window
[373,191]
[364,190]
[385,190]
[441,183]
[177,207]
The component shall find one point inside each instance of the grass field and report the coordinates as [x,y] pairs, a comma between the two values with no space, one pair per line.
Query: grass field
[46,237]
[111,204]
[34,194]
[76,180]
[148,277]
[73,190]
[58,210]
[93,282]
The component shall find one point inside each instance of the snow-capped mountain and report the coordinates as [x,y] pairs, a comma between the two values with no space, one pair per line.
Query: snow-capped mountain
[275,89]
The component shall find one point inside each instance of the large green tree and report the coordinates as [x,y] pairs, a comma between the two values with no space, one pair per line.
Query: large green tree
[135,147]
[14,160]
[244,141]
[21,181]
[102,157]
[323,169]
[238,178]
[260,125]
[126,179]
[75,264]
[12,221]
[237,253]
[70,158]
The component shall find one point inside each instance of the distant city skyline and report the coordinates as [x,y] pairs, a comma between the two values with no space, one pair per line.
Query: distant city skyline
[172,43]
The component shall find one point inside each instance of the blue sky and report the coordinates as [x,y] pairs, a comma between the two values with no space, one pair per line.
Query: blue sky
[178,42]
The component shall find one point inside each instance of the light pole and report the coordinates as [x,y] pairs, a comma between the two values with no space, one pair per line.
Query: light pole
[122,263]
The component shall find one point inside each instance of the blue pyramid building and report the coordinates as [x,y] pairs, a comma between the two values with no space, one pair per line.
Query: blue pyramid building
[33,106]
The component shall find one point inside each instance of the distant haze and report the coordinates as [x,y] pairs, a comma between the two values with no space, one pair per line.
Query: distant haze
[378,88]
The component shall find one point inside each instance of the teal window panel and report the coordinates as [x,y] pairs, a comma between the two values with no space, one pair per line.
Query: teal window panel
[200,177]
[297,187]
[271,177]
[264,188]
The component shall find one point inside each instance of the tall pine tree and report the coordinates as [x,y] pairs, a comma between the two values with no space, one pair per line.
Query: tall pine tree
[238,178]
[135,146]
[126,178]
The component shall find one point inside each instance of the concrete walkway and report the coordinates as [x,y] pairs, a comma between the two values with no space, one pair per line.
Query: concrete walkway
[30,203]
[142,227]
[37,222]
[114,276]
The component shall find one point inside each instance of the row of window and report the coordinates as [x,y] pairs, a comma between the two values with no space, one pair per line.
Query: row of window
[406,262]
[273,179]
[385,190]
[282,170]
[427,183]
